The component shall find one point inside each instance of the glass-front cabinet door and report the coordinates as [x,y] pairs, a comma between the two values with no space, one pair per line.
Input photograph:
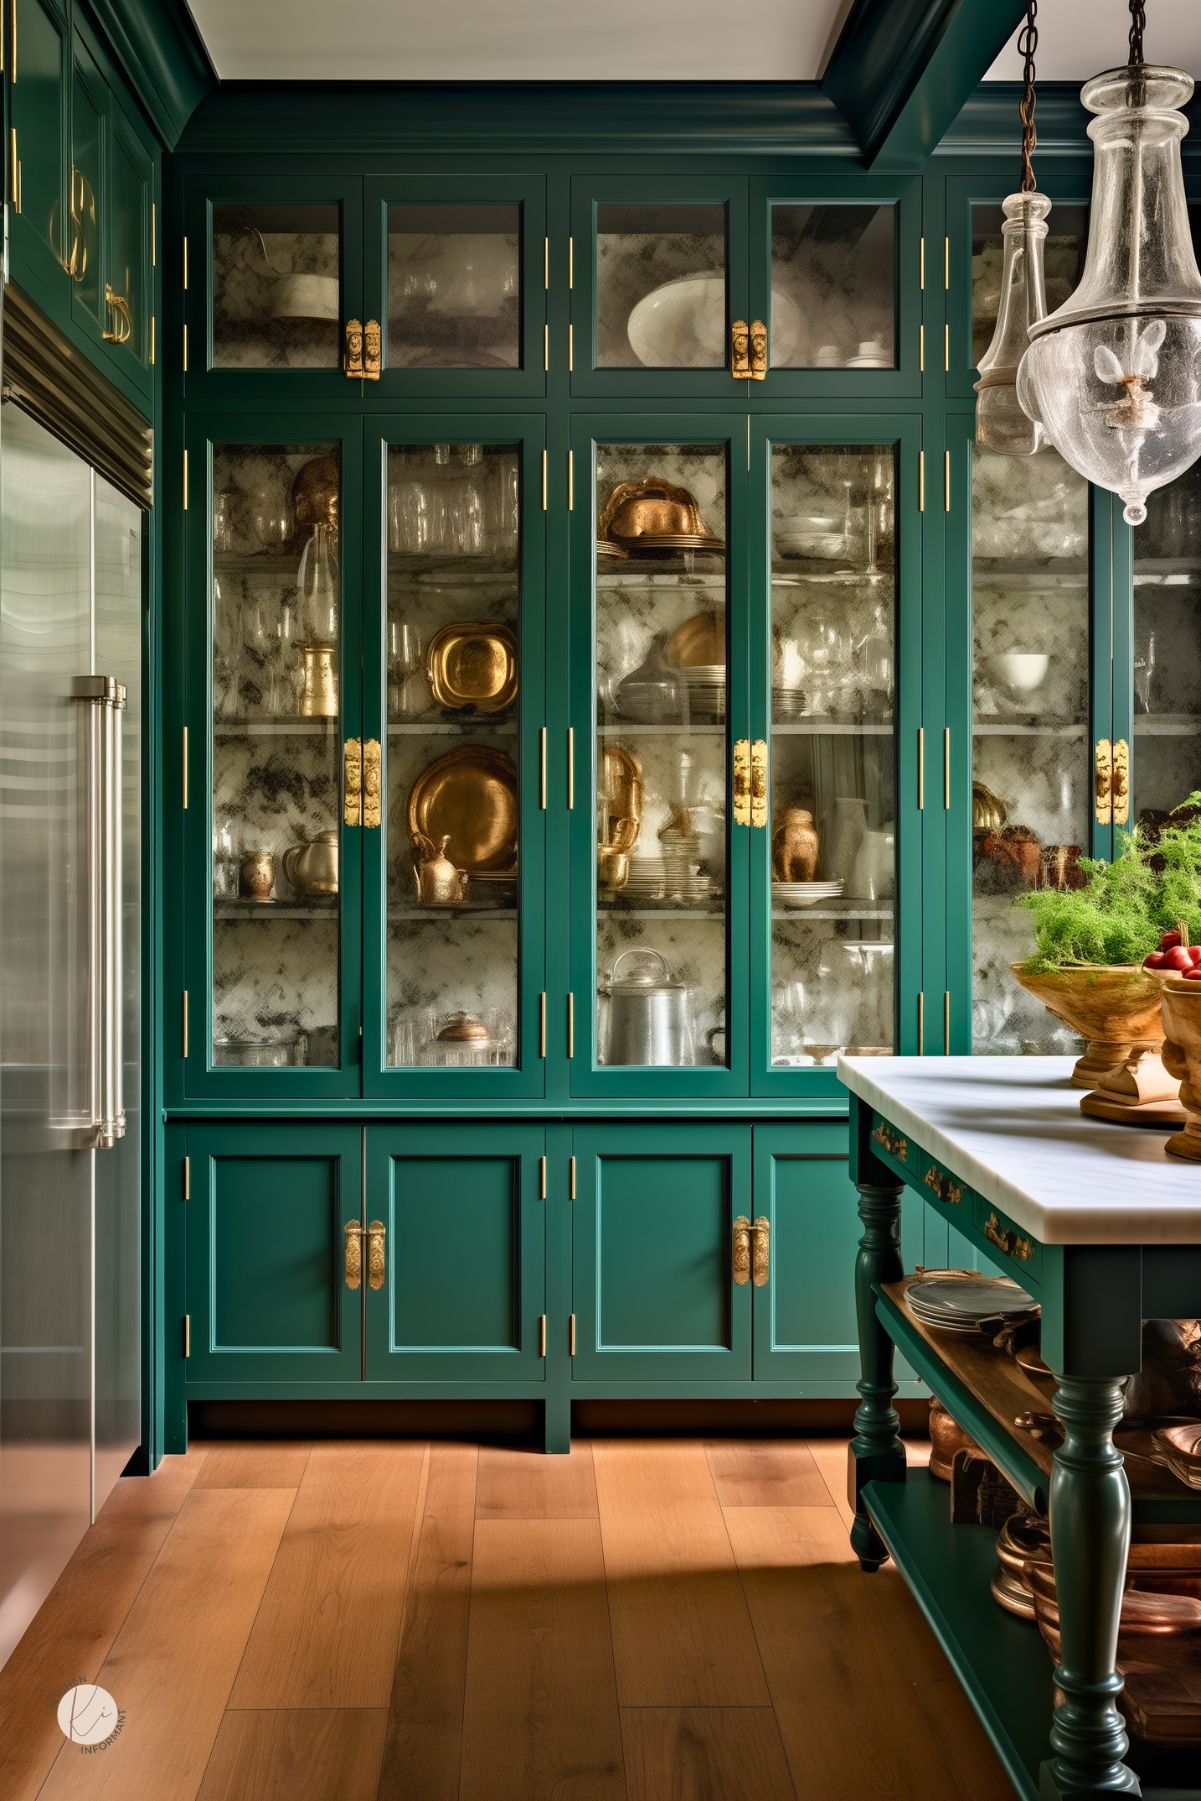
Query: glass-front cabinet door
[455,280]
[658,282]
[1027,631]
[1158,710]
[271,759]
[835,282]
[663,784]
[453,847]
[835,708]
[273,276]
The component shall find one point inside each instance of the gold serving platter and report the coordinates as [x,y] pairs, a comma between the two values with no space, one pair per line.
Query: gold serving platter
[473,665]
[699,642]
[468,796]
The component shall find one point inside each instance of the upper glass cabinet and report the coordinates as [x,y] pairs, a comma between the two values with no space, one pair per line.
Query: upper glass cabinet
[277,295]
[833,286]
[1164,693]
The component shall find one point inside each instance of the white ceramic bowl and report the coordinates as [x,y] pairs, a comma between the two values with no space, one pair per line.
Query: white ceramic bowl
[1021,670]
[682,324]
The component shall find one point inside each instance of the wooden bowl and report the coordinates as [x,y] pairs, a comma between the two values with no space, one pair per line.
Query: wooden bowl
[1115,1007]
[1181,1004]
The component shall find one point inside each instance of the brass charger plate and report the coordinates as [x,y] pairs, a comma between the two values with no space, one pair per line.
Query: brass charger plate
[470,797]
[701,640]
[672,541]
[623,791]
[473,665]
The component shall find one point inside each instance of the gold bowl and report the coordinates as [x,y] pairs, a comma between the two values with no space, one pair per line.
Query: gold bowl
[1181,1003]
[1116,1007]
[652,509]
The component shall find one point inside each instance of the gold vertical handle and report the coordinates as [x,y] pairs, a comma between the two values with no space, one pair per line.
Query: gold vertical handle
[1103,782]
[740,350]
[921,768]
[571,768]
[542,767]
[761,1251]
[946,769]
[542,1335]
[742,782]
[372,760]
[921,1023]
[758,350]
[377,1232]
[373,350]
[352,782]
[742,1251]
[352,356]
[352,1253]
[759,783]
[571,1337]
[1119,785]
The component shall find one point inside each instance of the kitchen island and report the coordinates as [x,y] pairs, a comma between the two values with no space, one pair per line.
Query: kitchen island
[1104,1230]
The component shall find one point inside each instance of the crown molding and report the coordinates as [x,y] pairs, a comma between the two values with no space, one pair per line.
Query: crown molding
[162,56]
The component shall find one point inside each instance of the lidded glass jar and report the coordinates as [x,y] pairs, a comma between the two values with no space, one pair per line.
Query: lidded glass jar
[1113,373]
[1001,424]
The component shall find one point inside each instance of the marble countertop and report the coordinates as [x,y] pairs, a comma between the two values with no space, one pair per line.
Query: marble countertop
[1013,1129]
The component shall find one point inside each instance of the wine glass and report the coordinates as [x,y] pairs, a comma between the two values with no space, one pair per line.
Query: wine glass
[405,657]
[271,517]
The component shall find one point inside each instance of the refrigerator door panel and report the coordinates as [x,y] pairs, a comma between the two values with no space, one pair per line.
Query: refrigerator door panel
[46,1192]
[118,628]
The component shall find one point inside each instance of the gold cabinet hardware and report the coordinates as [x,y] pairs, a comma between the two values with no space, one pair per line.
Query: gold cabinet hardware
[352,356]
[352,782]
[542,768]
[946,481]
[1120,782]
[185,264]
[921,350]
[544,481]
[184,768]
[758,350]
[152,340]
[946,768]
[187,1335]
[352,1254]
[740,350]
[571,768]
[377,1232]
[921,768]
[14,170]
[571,263]
[571,481]
[570,349]
[921,481]
[1103,782]
[185,350]
[542,1024]
[759,783]
[946,265]
[546,262]
[921,1023]
[184,1023]
[542,1178]
[742,782]
[153,235]
[571,1335]
[946,1023]
[1011,1243]
[946,347]
[921,264]
[570,1024]
[185,481]
[187,1178]
[890,1141]
[373,350]
[542,1335]
[942,1187]
[372,766]
[546,347]
[571,1179]
[82,215]
[741,1252]
[761,1251]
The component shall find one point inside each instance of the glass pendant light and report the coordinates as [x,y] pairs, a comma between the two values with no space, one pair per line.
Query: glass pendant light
[1113,374]
[1001,425]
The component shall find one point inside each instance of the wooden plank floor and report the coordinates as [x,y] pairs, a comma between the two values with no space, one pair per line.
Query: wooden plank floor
[647,1620]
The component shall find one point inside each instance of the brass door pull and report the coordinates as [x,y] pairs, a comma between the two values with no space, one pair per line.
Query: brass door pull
[758,350]
[1119,786]
[742,782]
[372,350]
[376,1234]
[352,1253]
[1009,1242]
[122,317]
[372,758]
[352,357]
[352,782]
[742,1251]
[740,350]
[758,783]
[760,1251]
[1103,781]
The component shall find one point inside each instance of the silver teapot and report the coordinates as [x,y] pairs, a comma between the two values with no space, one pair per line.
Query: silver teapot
[649,1014]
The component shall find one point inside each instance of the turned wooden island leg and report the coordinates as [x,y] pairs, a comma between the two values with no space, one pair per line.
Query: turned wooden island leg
[876,1451]
[1090,1537]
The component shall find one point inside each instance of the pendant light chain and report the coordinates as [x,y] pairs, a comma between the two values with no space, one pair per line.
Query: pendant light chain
[1027,45]
[1138,24]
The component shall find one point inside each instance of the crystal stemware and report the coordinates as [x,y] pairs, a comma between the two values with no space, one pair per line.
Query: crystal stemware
[405,657]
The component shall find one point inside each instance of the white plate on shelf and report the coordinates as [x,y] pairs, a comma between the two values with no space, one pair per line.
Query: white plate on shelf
[682,324]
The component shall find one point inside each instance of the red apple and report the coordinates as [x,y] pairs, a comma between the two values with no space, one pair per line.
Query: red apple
[1193,974]
[1154,960]
[1168,940]
[1177,958]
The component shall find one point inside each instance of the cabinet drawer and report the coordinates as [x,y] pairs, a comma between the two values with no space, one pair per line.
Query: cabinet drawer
[893,1148]
[948,1195]
[1011,1249]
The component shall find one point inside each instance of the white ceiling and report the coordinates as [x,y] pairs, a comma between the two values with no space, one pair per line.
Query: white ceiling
[1078,38]
[519,40]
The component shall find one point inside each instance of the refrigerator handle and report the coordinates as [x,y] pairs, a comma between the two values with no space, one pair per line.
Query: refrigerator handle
[104,697]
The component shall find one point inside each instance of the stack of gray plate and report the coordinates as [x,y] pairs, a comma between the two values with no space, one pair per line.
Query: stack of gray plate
[957,1303]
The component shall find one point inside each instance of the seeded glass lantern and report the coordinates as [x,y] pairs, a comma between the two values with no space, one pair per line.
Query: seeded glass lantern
[1001,424]
[1113,374]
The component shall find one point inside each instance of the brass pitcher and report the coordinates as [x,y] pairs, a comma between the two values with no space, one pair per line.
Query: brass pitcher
[438,882]
[319,696]
[313,868]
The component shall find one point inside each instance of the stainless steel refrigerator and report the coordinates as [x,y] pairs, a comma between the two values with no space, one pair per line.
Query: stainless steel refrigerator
[71,605]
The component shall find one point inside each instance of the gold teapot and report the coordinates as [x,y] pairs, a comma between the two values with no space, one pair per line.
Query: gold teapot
[439,883]
[313,868]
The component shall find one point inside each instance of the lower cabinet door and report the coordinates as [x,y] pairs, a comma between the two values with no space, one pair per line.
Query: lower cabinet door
[269,1276]
[805,1328]
[460,1295]
[653,1285]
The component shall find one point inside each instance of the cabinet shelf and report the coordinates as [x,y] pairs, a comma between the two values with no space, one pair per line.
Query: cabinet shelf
[634,730]
[662,910]
[427,915]
[276,728]
[833,728]
[799,915]
[1026,728]
[1167,725]
[324,908]
[479,722]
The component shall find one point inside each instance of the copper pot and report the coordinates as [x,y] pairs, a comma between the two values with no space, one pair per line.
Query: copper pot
[946,1437]
[651,508]
[1023,1543]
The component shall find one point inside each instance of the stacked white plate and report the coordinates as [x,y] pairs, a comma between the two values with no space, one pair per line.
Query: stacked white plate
[706,690]
[647,879]
[805,894]
[956,1303]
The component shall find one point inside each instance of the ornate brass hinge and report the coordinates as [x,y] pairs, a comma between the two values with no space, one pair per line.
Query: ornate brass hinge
[372,757]
[1119,784]
[352,782]
[1103,781]
[742,782]
[759,782]
[740,350]
[373,350]
[758,350]
[352,360]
